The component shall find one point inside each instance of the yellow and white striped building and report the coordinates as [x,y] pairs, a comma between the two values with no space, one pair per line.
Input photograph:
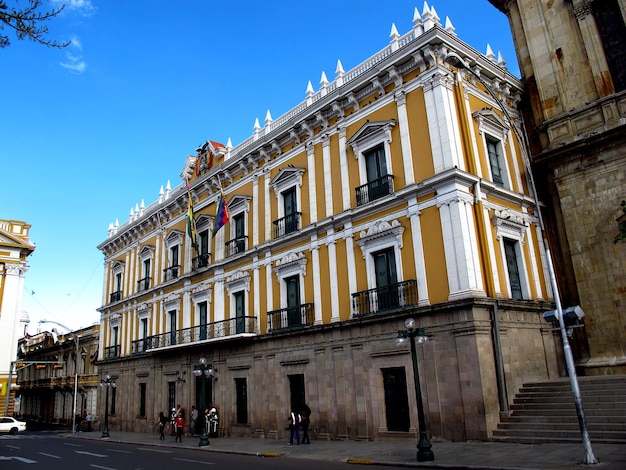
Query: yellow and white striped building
[397,190]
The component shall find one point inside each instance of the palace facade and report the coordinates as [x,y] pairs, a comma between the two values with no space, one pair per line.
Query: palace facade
[396,191]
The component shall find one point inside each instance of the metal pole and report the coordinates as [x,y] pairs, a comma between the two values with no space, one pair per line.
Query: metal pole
[589,458]
[423,445]
[105,431]
[76,340]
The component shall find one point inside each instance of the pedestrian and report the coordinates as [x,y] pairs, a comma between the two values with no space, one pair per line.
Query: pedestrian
[162,422]
[207,421]
[194,420]
[294,427]
[173,421]
[77,423]
[89,420]
[213,422]
[180,425]
[305,421]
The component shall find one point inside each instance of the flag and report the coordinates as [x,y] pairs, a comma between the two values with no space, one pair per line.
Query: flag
[191,221]
[221,216]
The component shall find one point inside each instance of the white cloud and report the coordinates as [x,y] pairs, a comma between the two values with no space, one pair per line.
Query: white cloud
[75,42]
[82,7]
[74,63]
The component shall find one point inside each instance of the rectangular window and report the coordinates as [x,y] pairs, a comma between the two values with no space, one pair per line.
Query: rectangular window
[240,233]
[495,161]
[172,318]
[290,205]
[241,391]
[142,400]
[294,318]
[171,397]
[386,279]
[510,251]
[297,398]
[202,311]
[240,311]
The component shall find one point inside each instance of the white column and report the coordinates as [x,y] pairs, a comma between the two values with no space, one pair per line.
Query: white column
[345,174]
[268,280]
[328,177]
[460,245]
[310,151]
[256,285]
[443,125]
[334,285]
[317,286]
[268,206]
[348,237]
[418,252]
[255,209]
[405,138]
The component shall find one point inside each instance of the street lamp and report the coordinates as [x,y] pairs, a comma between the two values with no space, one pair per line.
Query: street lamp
[76,341]
[107,382]
[417,334]
[203,370]
[456,61]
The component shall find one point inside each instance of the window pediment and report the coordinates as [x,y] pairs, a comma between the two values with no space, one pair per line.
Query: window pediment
[286,178]
[146,252]
[237,282]
[118,267]
[239,203]
[291,264]
[370,134]
[143,310]
[491,123]
[174,237]
[509,224]
[380,234]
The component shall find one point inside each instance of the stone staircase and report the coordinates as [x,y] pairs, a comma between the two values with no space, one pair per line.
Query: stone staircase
[545,412]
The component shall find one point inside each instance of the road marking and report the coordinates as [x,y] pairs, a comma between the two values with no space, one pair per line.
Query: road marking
[50,455]
[21,459]
[14,447]
[120,451]
[103,468]
[73,445]
[195,461]
[154,450]
[90,453]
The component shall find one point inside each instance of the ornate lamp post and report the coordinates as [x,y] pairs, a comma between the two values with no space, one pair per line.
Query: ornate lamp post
[203,370]
[412,332]
[107,382]
[456,61]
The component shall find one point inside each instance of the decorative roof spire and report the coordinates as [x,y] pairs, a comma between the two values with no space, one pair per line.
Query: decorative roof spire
[501,61]
[395,36]
[309,94]
[418,23]
[339,72]
[323,83]
[268,122]
[489,54]
[256,128]
[449,26]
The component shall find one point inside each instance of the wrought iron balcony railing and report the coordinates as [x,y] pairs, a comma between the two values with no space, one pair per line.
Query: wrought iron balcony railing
[374,190]
[200,261]
[143,284]
[115,296]
[170,273]
[111,352]
[237,245]
[287,224]
[299,316]
[220,329]
[380,299]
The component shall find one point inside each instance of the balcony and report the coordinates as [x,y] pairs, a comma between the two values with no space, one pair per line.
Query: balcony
[238,245]
[171,273]
[143,284]
[115,296]
[112,352]
[287,224]
[299,316]
[216,330]
[374,189]
[200,261]
[381,299]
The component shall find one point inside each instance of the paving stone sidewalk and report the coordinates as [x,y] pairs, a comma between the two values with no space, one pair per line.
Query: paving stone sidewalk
[399,453]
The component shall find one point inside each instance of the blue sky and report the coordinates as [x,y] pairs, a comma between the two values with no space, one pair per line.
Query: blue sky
[89,131]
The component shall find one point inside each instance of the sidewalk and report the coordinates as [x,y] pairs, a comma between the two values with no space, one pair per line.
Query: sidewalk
[448,455]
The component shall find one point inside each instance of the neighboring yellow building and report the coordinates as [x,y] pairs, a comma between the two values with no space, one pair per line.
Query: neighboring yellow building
[397,190]
[15,248]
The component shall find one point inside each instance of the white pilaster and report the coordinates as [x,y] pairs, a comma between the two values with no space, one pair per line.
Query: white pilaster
[345,175]
[418,253]
[317,286]
[405,138]
[310,152]
[328,178]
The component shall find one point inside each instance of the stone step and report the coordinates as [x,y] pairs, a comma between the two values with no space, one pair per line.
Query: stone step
[563,426]
[533,418]
[615,436]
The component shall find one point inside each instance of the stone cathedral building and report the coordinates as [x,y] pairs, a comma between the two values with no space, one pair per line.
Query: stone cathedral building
[396,190]
[572,56]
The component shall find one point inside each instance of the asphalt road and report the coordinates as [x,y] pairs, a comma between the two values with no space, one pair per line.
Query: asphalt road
[46,450]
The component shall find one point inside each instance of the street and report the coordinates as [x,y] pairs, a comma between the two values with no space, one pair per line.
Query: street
[47,449]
